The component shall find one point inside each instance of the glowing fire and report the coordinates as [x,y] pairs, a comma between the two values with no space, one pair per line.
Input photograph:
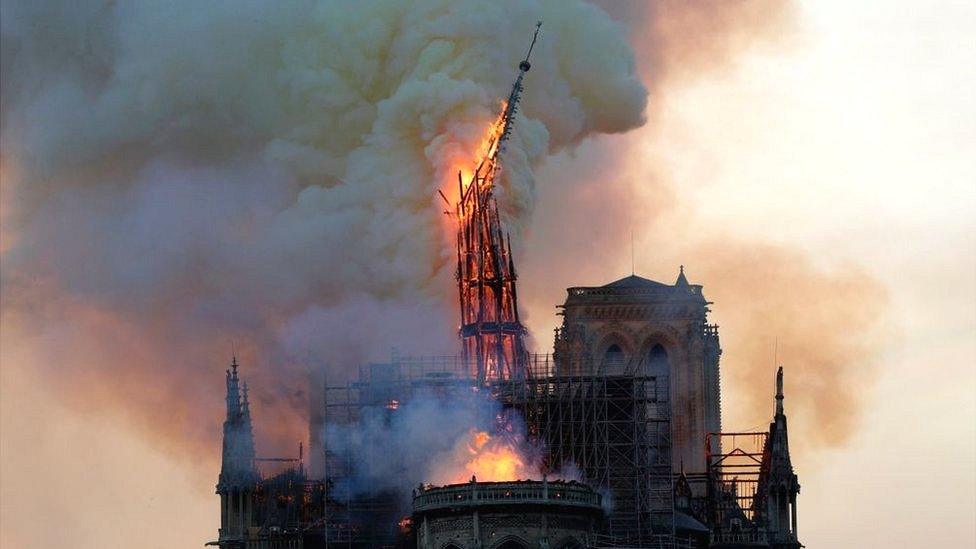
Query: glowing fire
[489,142]
[488,458]
[469,158]
[492,460]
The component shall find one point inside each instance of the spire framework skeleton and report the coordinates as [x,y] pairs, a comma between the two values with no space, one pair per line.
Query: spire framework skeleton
[492,336]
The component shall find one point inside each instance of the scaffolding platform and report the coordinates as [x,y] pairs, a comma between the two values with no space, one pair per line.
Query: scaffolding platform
[614,429]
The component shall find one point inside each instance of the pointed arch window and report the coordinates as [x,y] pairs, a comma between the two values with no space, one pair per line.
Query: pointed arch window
[613,359]
[659,366]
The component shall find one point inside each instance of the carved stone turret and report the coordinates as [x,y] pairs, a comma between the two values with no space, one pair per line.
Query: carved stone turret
[237,472]
[779,482]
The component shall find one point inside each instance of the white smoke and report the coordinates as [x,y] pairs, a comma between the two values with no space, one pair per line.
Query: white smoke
[267,172]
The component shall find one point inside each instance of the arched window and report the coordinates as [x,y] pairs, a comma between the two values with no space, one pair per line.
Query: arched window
[659,367]
[613,360]
[512,544]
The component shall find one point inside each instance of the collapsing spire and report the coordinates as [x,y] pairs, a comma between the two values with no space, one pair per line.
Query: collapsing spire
[491,333]
[516,94]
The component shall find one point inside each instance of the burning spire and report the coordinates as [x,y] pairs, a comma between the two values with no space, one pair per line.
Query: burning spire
[491,333]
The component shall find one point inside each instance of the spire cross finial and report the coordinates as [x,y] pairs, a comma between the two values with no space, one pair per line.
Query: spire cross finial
[524,65]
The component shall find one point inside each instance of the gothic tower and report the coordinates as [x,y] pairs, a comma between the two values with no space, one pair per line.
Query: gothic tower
[636,326]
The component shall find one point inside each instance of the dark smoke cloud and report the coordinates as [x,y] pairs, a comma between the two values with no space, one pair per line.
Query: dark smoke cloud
[181,179]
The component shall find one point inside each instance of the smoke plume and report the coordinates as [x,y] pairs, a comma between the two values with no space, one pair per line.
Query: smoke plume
[181,179]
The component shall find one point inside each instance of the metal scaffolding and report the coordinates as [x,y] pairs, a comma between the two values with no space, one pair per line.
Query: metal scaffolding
[361,520]
[735,500]
[615,429]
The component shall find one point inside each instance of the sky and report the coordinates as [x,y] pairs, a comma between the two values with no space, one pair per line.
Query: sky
[843,142]
[856,142]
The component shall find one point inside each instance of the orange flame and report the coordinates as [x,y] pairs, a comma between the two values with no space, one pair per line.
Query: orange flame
[473,157]
[493,461]
[489,142]
[488,458]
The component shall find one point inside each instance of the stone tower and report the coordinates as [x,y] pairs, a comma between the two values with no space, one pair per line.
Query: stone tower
[642,327]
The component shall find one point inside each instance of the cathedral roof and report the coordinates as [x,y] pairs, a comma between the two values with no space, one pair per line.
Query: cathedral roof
[638,288]
[634,281]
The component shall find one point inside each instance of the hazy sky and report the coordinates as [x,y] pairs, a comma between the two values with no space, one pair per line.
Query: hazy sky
[851,139]
[858,142]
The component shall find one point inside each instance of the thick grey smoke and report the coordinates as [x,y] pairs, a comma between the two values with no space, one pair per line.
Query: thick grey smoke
[180,176]
[440,439]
